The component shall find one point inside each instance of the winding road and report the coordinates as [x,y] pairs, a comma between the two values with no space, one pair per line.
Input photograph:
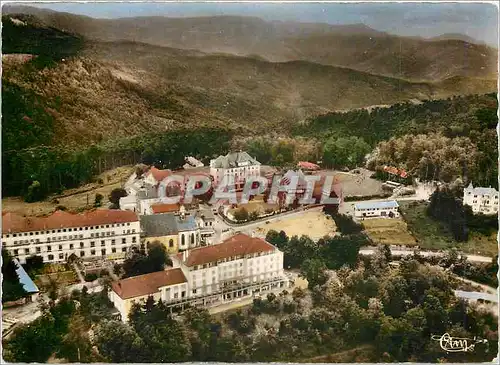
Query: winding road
[407,252]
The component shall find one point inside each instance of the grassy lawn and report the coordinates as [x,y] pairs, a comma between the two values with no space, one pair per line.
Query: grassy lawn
[389,231]
[431,234]
[314,224]
[73,199]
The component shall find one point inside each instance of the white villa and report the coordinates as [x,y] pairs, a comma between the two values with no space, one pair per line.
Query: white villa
[238,165]
[481,200]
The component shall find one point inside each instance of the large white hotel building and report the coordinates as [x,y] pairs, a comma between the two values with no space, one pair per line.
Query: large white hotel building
[106,234]
[239,267]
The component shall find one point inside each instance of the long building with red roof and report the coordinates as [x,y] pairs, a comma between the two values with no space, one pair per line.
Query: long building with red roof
[90,235]
[240,266]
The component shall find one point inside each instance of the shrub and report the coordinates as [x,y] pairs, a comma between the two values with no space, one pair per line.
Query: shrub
[98,200]
[91,277]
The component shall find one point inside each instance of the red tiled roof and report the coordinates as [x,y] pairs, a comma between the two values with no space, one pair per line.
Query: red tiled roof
[147,284]
[238,245]
[308,165]
[159,175]
[12,223]
[165,208]
[189,172]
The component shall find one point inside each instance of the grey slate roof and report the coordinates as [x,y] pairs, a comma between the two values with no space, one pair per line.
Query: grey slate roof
[206,215]
[378,204]
[186,224]
[233,159]
[158,225]
[24,279]
[481,191]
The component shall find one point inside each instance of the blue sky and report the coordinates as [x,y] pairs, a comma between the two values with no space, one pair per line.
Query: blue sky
[477,20]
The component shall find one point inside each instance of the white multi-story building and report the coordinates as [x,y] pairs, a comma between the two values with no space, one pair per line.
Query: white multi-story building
[168,285]
[481,200]
[236,165]
[370,209]
[241,266]
[104,234]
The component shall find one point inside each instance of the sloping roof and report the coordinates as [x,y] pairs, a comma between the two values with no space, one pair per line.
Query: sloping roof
[165,208]
[233,159]
[379,204]
[484,191]
[159,225]
[28,284]
[158,174]
[238,245]
[147,284]
[188,223]
[12,223]
[308,165]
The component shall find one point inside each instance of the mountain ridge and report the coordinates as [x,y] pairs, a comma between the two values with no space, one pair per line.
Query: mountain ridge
[354,46]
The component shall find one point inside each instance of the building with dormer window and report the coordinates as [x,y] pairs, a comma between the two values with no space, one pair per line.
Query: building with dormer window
[99,234]
[238,166]
[481,200]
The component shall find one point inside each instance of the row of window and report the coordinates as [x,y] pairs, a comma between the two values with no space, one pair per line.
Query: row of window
[36,233]
[65,238]
[485,196]
[82,253]
[233,258]
[27,251]
[373,209]
[183,239]
[487,202]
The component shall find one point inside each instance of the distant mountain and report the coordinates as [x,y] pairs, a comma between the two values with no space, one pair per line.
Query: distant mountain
[107,90]
[354,46]
[455,36]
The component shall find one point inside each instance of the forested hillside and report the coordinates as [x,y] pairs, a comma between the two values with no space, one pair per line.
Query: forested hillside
[435,139]
[355,46]
[75,107]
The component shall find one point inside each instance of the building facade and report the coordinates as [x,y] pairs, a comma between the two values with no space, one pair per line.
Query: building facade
[481,200]
[177,232]
[369,209]
[100,234]
[168,285]
[236,165]
[239,267]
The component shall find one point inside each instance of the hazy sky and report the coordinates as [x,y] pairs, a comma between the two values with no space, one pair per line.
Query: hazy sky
[477,20]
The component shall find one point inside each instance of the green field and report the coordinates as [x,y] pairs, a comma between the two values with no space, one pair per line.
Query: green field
[434,235]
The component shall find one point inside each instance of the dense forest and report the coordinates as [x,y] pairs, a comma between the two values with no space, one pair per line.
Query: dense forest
[435,139]
[50,45]
[37,171]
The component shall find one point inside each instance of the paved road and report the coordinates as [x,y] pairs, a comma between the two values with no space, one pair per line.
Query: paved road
[472,258]
[474,295]
[486,288]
